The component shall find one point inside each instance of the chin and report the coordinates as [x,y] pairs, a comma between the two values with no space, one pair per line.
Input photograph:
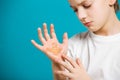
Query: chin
[94,28]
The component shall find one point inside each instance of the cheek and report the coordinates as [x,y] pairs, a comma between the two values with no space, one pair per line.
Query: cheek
[101,11]
[96,14]
[97,18]
[97,9]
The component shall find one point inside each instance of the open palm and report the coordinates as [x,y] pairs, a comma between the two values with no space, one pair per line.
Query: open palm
[51,46]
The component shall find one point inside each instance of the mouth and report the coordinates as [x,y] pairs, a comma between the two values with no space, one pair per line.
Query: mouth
[88,23]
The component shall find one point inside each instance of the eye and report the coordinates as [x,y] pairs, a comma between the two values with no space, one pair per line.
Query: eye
[86,6]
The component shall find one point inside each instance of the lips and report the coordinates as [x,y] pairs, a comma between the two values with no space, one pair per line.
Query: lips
[87,24]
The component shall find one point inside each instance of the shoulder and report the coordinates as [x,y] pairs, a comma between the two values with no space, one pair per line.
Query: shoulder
[78,37]
[75,43]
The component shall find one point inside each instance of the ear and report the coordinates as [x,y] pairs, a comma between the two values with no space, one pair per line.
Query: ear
[112,2]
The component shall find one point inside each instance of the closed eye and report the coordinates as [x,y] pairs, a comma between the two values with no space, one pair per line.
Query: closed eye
[88,6]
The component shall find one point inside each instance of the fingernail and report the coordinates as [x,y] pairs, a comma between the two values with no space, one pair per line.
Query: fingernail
[65,33]
[38,28]
[44,23]
[51,24]
[32,40]
[63,55]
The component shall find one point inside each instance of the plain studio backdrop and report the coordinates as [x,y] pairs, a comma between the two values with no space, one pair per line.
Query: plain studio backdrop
[19,20]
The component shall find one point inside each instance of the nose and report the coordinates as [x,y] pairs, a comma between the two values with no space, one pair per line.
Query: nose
[82,14]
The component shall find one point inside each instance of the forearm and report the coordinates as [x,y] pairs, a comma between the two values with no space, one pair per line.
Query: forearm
[56,67]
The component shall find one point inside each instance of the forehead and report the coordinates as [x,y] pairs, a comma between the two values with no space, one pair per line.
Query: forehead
[77,2]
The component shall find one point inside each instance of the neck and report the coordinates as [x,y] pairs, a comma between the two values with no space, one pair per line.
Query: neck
[111,27]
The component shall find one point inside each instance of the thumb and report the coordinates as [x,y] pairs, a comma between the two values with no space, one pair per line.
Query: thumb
[65,39]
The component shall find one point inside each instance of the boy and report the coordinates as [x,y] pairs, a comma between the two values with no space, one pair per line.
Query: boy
[92,55]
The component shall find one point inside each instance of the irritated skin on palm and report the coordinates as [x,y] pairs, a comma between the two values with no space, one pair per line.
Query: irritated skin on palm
[55,49]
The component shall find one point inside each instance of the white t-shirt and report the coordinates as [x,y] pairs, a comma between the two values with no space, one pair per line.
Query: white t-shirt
[100,55]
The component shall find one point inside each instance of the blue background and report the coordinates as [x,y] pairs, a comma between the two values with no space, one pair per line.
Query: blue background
[19,20]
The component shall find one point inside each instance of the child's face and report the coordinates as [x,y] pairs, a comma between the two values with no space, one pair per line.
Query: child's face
[94,14]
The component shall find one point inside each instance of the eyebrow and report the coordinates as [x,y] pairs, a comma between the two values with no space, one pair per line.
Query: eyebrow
[78,3]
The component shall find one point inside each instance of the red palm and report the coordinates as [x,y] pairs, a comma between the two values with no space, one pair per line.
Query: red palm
[51,47]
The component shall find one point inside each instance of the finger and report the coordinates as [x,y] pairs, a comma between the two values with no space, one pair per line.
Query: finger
[52,31]
[46,35]
[71,61]
[65,65]
[64,73]
[40,36]
[65,39]
[37,45]
[78,62]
